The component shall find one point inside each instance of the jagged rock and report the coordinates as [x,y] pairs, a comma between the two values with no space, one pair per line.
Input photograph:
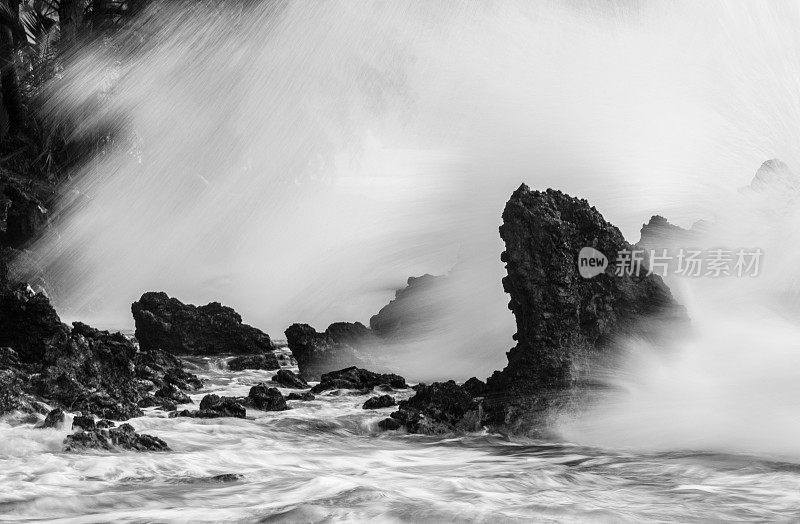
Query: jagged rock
[565,322]
[163,369]
[342,344]
[389,424]
[267,361]
[223,406]
[183,329]
[172,394]
[123,437]
[288,379]
[442,407]
[84,422]
[29,324]
[355,378]
[82,369]
[265,398]
[475,387]
[414,310]
[300,396]
[105,424]
[54,419]
[383,401]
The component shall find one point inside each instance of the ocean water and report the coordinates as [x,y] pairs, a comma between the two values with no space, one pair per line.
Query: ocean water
[324,461]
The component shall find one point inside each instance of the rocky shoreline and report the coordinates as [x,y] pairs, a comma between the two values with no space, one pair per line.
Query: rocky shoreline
[565,323]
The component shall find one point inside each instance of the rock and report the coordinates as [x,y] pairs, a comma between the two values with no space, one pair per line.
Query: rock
[383,401]
[84,422]
[170,393]
[25,216]
[105,424]
[79,369]
[123,437]
[267,361]
[475,387]
[355,378]
[29,324]
[565,322]
[167,406]
[414,311]
[54,419]
[442,407]
[162,369]
[342,344]
[265,398]
[288,379]
[223,406]
[389,424]
[300,396]
[183,329]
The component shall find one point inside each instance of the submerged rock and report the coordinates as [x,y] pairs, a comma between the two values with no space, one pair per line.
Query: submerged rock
[383,401]
[288,379]
[355,378]
[183,329]
[265,398]
[565,322]
[442,407]
[300,396]
[121,438]
[266,361]
[342,344]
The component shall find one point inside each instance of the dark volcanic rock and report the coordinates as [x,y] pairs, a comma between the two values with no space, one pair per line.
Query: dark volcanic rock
[29,324]
[442,407]
[475,387]
[383,401]
[267,361]
[300,396]
[82,369]
[389,424]
[54,419]
[84,422]
[355,378]
[265,398]
[288,379]
[565,321]
[183,329]
[342,344]
[170,393]
[123,437]
[224,406]
[24,216]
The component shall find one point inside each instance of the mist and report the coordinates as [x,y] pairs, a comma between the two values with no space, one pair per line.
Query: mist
[304,179]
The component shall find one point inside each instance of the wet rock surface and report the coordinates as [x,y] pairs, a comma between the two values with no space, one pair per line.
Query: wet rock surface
[78,369]
[288,379]
[184,329]
[442,407]
[383,401]
[110,439]
[565,322]
[266,361]
[265,398]
[306,396]
[356,378]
